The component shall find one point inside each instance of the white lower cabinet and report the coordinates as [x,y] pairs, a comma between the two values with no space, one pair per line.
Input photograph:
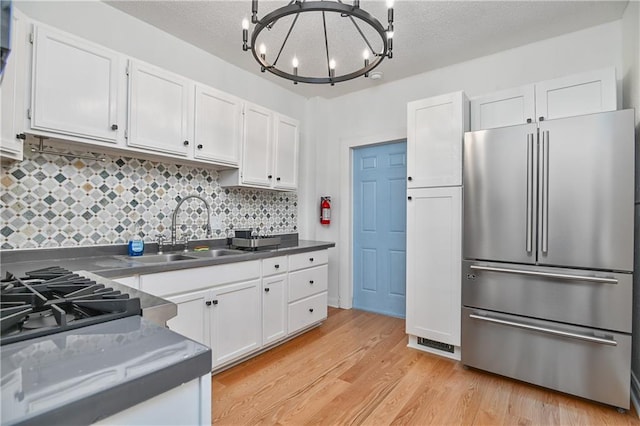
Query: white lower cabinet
[434,250]
[236,321]
[240,308]
[191,320]
[274,308]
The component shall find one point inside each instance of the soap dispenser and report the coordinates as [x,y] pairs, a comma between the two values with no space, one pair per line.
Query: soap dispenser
[136,244]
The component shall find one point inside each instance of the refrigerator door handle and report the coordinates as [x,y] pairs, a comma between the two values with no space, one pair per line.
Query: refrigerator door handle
[546,274]
[529,192]
[559,333]
[545,192]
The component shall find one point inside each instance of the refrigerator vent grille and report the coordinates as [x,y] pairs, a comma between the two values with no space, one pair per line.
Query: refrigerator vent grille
[436,345]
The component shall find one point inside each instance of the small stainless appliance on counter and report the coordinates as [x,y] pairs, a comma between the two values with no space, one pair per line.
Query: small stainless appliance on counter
[548,249]
[246,239]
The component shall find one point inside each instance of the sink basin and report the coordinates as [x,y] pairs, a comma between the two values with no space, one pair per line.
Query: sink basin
[161,258]
[215,253]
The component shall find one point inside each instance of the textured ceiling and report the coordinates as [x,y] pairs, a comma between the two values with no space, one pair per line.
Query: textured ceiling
[428,34]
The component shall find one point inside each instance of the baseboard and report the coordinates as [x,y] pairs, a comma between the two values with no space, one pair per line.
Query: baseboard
[413,343]
[333,302]
[635,393]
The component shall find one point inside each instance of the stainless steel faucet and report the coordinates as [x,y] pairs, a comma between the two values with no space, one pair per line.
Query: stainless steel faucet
[175,216]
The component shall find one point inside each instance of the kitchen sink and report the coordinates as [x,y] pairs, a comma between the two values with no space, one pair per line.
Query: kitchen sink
[216,253]
[161,258]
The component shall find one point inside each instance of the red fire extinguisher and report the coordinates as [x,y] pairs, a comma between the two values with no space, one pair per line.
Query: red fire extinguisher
[325,210]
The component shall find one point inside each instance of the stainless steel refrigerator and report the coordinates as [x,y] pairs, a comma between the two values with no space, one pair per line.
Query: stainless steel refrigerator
[548,253]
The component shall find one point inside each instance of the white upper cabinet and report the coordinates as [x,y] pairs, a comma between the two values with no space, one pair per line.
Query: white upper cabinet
[12,93]
[257,145]
[435,133]
[578,94]
[159,110]
[285,153]
[75,87]
[218,126]
[504,108]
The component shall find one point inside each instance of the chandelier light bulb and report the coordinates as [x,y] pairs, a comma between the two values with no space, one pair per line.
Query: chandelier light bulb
[389,34]
[295,62]
[245,24]
[263,49]
[332,64]
[389,4]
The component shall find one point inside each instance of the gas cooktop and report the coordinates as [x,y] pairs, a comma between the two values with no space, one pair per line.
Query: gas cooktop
[51,300]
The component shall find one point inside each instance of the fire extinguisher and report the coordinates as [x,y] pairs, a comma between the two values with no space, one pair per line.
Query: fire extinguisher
[325,210]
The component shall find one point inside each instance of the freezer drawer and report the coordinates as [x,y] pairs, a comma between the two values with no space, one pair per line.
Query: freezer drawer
[588,298]
[576,360]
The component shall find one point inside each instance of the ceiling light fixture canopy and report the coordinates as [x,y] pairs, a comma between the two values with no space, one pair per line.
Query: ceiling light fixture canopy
[364,24]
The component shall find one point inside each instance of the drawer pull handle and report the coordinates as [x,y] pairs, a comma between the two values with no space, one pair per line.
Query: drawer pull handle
[546,330]
[266,290]
[311,310]
[276,266]
[311,259]
[546,274]
[310,281]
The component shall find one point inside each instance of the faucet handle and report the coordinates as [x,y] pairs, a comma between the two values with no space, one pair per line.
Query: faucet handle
[160,240]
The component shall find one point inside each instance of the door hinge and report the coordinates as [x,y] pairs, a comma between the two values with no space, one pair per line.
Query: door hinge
[31,38]
[29,113]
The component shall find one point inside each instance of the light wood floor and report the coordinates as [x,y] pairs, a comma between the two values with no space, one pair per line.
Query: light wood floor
[356,369]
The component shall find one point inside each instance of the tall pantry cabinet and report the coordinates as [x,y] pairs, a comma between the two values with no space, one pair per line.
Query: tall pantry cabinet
[435,134]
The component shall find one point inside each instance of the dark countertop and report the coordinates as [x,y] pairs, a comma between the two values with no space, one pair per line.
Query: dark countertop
[112,261]
[87,374]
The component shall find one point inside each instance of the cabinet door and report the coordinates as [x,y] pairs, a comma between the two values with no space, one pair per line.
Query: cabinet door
[505,108]
[579,94]
[286,153]
[236,322]
[74,87]
[435,131]
[257,145]
[274,308]
[158,110]
[191,320]
[218,126]
[12,92]
[433,264]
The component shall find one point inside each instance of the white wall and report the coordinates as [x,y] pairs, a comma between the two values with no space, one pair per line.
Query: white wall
[631,93]
[105,25]
[380,112]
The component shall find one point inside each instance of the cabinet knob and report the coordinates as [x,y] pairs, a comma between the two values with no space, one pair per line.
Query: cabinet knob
[409,198]
[270,177]
[200,146]
[21,136]
[409,178]
[311,259]
[529,120]
[185,143]
[540,118]
[266,290]
[215,302]
[310,281]
[276,266]
[208,302]
[278,179]
[114,127]
[311,310]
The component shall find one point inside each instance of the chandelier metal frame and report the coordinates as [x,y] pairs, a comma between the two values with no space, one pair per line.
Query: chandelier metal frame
[297,7]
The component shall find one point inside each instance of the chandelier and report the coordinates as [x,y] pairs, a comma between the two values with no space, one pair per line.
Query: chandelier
[333,30]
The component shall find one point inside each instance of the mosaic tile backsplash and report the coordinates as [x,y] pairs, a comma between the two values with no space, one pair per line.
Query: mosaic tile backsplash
[62,201]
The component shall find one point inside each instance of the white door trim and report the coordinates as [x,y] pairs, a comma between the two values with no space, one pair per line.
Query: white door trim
[345,287]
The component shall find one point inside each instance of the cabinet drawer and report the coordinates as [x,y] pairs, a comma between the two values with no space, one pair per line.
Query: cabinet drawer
[305,260]
[274,265]
[586,362]
[307,282]
[307,311]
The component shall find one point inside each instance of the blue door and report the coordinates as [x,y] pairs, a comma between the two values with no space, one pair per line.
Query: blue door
[379,228]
